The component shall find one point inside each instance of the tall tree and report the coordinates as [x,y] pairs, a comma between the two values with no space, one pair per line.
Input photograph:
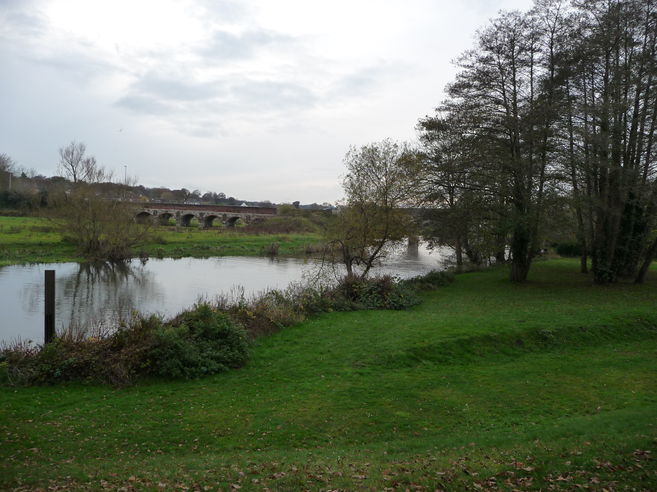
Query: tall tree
[503,99]
[74,166]
[461,211]
[614,105]
[562,100]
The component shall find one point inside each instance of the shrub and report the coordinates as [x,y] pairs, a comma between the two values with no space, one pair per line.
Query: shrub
[314,249]
[198,342]
[42,229]
[116,359]
[263,314]
[377,293]
[431,280]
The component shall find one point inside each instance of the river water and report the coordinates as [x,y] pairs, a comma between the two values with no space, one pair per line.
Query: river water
[89,295]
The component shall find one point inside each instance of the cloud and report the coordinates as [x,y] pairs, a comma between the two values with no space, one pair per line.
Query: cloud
[31,23]
[225,10]
[272,95]
[144,104]
[197,108]
[242,99]
[32,41]
[176,88]
[79,64]
[168,94]
[224,45]
[364,81]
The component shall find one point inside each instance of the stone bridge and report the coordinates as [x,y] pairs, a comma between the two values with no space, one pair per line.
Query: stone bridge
[205,214]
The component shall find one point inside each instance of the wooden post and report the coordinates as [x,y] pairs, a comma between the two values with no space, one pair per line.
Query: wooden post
[49,319]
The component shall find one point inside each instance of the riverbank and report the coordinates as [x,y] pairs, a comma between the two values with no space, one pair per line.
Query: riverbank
[35,240]
[486,384]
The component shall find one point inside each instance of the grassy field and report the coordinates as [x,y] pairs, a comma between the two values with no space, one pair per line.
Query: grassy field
[485,385]
[35,240]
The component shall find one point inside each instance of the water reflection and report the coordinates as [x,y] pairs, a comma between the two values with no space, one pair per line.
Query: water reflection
[101,292]
[89,294]
[93,294]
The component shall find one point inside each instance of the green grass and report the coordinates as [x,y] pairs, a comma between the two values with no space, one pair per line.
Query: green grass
[549,384]
[31,240]
[36,240]
[220,242]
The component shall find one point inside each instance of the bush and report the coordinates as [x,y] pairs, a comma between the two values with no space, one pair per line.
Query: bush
[431,280]
[198,342]
[377,293]
[115,359]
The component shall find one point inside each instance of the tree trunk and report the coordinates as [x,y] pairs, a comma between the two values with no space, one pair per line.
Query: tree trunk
[459,254]
[520,252]
[583,263]
[643,270]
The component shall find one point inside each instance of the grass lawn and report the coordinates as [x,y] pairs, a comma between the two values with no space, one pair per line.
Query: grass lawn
[35,240]
[485,385]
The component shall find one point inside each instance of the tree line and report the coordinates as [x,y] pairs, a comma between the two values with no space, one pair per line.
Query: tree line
[558,102]
[549,125]
[25,189]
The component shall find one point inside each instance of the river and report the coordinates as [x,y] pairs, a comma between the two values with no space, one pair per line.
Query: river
[90,294]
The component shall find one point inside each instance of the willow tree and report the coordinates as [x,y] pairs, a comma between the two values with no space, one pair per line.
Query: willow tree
[378,186]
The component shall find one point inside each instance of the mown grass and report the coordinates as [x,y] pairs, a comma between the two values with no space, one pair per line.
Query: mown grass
[36,240]
[486,384]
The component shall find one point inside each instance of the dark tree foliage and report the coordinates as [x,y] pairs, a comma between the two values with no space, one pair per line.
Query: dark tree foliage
[558,102]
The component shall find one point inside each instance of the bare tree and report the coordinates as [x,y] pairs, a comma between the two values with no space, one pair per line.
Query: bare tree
[103,227]
[74,166]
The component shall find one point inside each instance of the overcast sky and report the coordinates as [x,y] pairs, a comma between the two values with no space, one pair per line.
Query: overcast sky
[259,99]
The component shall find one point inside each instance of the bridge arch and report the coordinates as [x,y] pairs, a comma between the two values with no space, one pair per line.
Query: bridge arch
[208,220]
[164,218]
[143,217]
[185,220]
[232,221]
